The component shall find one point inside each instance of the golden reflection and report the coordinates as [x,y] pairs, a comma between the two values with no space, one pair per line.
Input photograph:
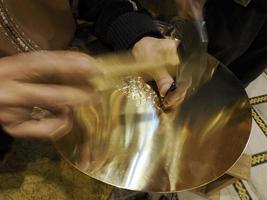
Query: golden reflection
[129,141]
[126,140]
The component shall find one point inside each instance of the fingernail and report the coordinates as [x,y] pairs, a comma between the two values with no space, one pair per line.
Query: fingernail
[170,89]
[177,42]
[164,90]
[173,87]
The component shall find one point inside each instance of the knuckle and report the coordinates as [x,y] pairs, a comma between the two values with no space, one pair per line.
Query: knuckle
[173,44]
[76,56]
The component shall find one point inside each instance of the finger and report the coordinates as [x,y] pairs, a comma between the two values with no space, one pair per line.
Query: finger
[14,115]
[48,128]
[170,45]
[168,51]
[157,50]
[174,98]
[163,80]
[64,66]
[49,97]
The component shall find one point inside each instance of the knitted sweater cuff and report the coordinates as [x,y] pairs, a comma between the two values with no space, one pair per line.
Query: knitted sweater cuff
[129,28]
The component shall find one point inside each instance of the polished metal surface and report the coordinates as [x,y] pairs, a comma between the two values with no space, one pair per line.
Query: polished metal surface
[127,141]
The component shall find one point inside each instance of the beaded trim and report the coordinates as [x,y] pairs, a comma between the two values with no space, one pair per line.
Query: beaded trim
[14,33]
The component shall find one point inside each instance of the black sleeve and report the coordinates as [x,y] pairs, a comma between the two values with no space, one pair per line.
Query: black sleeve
[260,4]
[5,143]
[118,23]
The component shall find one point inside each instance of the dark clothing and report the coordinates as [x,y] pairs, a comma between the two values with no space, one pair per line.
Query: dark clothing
[118,23]
[236,33]
[238,37]
[261,4]
[5,144]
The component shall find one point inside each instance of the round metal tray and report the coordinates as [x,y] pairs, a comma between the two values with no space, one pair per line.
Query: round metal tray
[124,142]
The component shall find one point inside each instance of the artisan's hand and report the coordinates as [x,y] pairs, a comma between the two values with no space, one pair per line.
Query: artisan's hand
[156,50]
[39,90]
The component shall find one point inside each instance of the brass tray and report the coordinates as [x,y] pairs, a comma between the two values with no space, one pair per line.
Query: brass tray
[123,141]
